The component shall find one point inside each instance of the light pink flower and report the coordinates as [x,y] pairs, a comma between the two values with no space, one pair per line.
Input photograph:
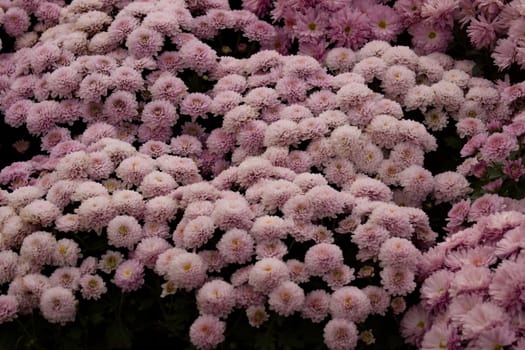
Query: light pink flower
[286,298]
[340,334]
[206,332]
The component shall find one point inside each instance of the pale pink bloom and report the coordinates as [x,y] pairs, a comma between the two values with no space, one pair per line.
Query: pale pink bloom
[498,147]
[352,95]
[124,231]
[16,21]
[8,264]
[327,201]
[418,97]
[385,23]
[482,32]
[397,80]
[257,315]
[38,247]
[438,336]
[370,236]
[416,181]
[398,252]
[434,291]
[206,332]
[372,189]
[67,253]
[93,87]
[414,324]
[499,336]
[316,306]
[286,298]
[505,287]
[470,279]
[298,273]
[187,270]
[379,299]
[275,193]
[511,242]
[340,334]
[370,68]
[448,95]
[267,274]
[339,277]
[58,305]
[157,183]
[197,232]
[148,250]
[129,275]
[428,37]
[350,303]
[232,214]
[450,186]
[198,56]
[127,202]
[436,119]
[292,89]
[274,248]
[216,298]
[66,277]
[159,113]
[480,318]
[92,286]
[268,227]
[323,257]
[398,281]
[236,246]
[8,308]
[110,261]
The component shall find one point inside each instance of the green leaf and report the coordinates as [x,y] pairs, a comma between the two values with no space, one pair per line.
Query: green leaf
[494,173]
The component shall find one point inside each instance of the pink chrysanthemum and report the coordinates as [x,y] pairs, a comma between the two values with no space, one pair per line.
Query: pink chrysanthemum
[323,257]
[385,23]
[232,213]
[398,252]
[267,274]
[124,231]
[379,299]
[397,280]
[257,315]
[236,246]
[8,308]
[414,324]
[129,276]
[148,250]
[350,303]
[286,298]
[207,332]
[340,334]
[58,305]
[316,306]
[216,298]
[449,186]
[92,287]
[187,270]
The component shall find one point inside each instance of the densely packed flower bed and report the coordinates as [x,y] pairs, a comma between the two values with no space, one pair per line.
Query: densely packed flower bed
[262,174]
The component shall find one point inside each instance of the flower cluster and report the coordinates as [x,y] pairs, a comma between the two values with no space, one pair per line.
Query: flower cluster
[494,149]
[264,183]
[471,295]
[132,199]
[320,26]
